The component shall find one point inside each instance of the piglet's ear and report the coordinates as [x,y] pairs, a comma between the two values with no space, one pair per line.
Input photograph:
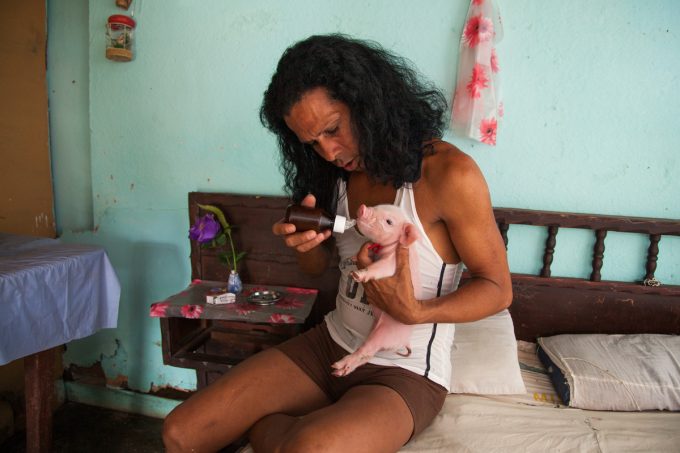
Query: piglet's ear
[409,235]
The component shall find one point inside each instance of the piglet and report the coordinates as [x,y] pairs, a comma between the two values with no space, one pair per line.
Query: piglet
[387,228]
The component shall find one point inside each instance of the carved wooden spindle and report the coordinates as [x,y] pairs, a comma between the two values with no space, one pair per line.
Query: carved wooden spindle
[598,255]
[652,255]
[503,227]
[549,250]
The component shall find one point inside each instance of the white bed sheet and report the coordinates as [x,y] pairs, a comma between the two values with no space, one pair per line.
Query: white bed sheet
[538,422]
[469,423]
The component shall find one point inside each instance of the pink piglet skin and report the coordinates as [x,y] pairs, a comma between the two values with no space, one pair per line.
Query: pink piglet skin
[387,226]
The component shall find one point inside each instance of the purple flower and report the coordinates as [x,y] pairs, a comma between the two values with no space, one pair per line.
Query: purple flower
[205,229]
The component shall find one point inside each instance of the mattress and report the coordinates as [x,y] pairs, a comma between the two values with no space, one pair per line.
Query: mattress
[538,422]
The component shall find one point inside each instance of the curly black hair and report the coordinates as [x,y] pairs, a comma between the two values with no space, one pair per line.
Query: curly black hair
[393,112]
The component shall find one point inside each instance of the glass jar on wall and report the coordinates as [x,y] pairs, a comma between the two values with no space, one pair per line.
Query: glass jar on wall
[120,37]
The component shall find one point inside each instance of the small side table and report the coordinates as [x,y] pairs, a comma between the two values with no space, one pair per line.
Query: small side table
[212,338]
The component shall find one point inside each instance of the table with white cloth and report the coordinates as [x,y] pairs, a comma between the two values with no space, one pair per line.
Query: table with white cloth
[50,293]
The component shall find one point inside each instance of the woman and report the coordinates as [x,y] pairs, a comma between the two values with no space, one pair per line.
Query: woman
[355,125]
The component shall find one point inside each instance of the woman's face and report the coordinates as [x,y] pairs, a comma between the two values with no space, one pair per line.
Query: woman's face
[325,124]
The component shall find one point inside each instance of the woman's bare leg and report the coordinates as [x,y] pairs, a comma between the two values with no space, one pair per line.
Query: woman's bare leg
[370,418]
[266,383]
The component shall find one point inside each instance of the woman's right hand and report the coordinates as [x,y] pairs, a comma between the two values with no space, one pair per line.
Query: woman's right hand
[301,241]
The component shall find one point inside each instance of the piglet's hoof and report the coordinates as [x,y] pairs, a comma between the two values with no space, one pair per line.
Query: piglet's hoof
[341,368]
[349,363]
[358,276]
[341,372]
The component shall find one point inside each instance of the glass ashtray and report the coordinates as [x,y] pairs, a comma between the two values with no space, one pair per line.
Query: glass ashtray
[264,297]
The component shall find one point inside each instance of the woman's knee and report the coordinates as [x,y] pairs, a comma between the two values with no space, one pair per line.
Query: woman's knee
[174,432]
[308,439]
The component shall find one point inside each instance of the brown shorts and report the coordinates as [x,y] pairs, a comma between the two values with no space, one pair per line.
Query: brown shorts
[315,351]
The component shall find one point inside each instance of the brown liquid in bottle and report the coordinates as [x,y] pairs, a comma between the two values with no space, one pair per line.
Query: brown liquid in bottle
[305,218]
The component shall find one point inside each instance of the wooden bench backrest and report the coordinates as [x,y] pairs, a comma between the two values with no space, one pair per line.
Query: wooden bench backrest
[542,305]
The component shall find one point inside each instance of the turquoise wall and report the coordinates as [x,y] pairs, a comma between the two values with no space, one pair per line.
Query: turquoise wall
[591,125]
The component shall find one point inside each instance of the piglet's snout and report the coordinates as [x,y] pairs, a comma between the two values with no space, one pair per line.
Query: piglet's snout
[365,220]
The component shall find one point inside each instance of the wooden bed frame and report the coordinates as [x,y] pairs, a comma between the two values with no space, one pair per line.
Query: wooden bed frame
[542,305]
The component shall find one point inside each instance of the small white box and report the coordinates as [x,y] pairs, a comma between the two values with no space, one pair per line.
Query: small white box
[220,296]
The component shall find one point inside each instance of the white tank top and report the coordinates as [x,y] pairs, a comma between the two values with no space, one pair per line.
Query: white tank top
[352,319]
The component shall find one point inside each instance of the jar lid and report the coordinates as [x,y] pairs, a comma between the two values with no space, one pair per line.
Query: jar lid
[122,20]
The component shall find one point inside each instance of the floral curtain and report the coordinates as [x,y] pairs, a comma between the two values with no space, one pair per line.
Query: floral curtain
[477,106]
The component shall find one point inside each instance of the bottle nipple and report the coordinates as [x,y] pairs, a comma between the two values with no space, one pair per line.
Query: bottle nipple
[341,224]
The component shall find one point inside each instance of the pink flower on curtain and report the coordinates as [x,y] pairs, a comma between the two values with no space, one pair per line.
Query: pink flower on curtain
[494,61]
[477,104]
[487,131]
[478,81]
[191,311]
[478,29]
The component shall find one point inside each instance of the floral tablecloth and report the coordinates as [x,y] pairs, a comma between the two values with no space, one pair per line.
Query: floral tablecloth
[293,307]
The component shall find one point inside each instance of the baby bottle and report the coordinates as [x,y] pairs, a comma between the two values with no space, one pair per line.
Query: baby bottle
[305,218]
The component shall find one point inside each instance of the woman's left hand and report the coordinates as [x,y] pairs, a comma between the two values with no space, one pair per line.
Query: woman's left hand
[392,294]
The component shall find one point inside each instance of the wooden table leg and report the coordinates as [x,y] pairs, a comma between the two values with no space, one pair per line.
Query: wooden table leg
[38,369]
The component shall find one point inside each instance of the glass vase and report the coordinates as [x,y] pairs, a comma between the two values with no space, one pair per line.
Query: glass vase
[234,284]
